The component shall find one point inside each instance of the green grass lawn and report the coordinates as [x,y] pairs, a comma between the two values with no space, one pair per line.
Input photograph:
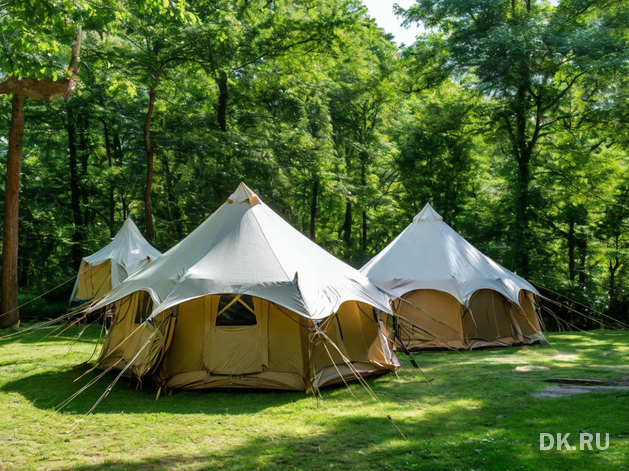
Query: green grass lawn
[479,414]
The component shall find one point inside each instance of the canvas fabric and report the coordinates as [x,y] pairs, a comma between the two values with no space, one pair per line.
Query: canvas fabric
[102,271]
[450,295]
[246,251]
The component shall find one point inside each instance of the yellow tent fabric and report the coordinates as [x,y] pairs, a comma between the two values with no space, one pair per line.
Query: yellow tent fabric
[102,271]
[448,294]
[259,306]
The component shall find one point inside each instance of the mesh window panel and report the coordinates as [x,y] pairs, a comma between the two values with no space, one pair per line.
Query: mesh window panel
[237,314]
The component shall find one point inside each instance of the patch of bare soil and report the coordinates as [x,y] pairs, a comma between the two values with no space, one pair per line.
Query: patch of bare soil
[572,386]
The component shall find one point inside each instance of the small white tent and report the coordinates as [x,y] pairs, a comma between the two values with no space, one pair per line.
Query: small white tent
[102,271]
[246,300]
[451,294]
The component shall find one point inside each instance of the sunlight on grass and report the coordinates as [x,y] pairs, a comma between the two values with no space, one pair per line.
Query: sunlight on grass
[477,414]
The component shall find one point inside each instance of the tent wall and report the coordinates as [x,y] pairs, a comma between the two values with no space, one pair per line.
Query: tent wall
[430,319]
[127,334]
[490,321]
[529,319]
[94,281]
[270,354]
[357,332]
[190,351]
[434,319]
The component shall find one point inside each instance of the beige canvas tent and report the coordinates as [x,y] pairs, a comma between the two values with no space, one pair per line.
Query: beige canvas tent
[247,301]
[448,294]
[127,253]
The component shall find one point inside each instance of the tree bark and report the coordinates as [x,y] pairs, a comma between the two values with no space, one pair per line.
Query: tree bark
[8,304]
[347,224]
[75,191]
[150,151]
[118,154]
[313,209]
[174,212]
[112,202]
[522,221]
[221,109]
[22,89]
[571,246]
[84,154]
[364,214]
[613,267]
[582,257]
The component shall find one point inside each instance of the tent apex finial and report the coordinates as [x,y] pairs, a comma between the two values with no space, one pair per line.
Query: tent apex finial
[243,194]
[427,214]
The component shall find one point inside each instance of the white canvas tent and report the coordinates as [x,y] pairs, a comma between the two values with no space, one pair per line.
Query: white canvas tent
[127,253]
[452,294]
[247,301]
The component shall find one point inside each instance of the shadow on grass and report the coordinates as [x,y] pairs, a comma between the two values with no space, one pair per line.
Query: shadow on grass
[364,443]
[478,415]
[492,377]
[48,389]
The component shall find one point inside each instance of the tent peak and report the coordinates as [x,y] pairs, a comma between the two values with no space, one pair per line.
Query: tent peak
[243,194]
[427,214]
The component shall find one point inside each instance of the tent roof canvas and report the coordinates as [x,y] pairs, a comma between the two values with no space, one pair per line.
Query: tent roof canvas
[429,254]
[128,249]
[246,248]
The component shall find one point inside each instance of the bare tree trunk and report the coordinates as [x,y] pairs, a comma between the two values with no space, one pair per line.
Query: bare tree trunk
[75,191]
[84,153]
[174,212]
[313,209]
[347,224]
[582,257]
[112,202]
[8,304]
[150,151]
[571,246]
[364,230]
[221,109]
[613,267]
[20,89]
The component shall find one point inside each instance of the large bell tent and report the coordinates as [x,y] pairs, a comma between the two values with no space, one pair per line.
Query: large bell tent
[247,301]
[102,271]
[450,295]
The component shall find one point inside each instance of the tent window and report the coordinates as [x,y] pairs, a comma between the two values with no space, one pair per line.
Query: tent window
[239,312]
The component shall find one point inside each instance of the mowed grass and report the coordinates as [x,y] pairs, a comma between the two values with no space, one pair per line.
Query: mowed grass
[478,414]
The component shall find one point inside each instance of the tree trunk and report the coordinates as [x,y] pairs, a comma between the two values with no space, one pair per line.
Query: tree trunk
[174,212]
[571,247]
[84,154]
[75,191]
[313,209]
[522,221]
[9,316]
[118,155]
[613,267]
[364,230]
[347,224]
[112,202]
[582,257]
[221,109]
[363,182]
[148,146]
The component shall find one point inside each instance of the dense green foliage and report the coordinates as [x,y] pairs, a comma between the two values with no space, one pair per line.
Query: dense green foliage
[510,117]
[479,414]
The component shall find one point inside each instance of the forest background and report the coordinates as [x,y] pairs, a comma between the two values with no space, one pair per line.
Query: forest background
[510,117]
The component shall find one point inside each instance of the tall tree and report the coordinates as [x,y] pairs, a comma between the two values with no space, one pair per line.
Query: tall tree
[529,57]
[27,80]
[37,38]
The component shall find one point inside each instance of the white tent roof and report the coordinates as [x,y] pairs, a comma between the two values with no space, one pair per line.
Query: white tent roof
[429,254]
[127,251]
[246,248]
